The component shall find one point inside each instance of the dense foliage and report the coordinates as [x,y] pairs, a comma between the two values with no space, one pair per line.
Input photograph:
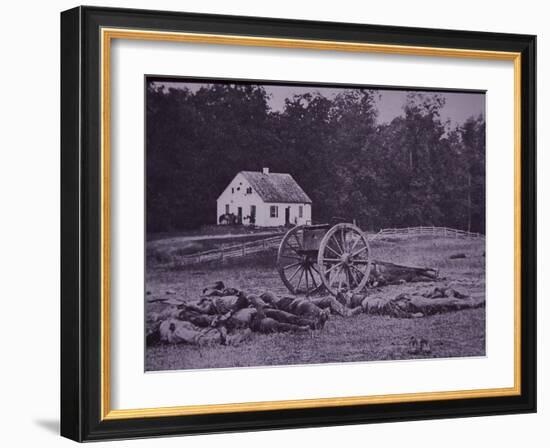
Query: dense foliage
[413,171]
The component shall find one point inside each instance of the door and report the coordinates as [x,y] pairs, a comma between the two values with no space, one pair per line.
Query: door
[240,215]
[287,216]
[252,214]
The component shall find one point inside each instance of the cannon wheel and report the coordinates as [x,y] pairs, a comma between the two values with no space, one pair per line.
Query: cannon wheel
[297,268]
[344,259]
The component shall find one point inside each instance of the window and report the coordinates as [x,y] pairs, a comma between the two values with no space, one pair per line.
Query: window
[249,190]
[232,190]
[227,209]
[301,211]
[274,211]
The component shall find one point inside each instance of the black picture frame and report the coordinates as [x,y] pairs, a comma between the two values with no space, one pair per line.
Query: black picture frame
[81,224]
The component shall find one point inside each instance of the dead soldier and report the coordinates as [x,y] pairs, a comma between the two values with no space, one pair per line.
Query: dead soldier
[261,318]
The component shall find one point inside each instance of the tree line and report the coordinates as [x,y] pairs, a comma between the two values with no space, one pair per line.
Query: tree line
[415,170]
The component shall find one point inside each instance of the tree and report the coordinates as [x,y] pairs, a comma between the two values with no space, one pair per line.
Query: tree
[196,142]
[473,139]
[412,171]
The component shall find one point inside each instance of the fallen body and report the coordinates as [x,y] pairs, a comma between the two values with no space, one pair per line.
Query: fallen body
[214,318]
[229,319]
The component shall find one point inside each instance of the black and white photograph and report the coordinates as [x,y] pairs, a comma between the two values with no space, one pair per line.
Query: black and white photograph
[293,224]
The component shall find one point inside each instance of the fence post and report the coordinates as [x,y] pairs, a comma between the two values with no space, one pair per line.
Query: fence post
[221,253]
[243,249]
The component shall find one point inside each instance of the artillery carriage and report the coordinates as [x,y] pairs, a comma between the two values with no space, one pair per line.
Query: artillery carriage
[335,257]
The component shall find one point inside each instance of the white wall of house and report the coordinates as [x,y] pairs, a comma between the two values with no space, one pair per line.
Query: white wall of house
[237,194]
[280,218]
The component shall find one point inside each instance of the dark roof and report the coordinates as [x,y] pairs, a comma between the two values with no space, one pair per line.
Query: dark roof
[276,187]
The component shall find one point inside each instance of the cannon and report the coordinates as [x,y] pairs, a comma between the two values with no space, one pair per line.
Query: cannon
[335,257]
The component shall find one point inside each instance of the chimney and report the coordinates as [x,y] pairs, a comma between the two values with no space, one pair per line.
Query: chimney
[265,170]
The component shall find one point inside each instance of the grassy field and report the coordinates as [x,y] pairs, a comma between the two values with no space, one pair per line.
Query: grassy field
[359,338]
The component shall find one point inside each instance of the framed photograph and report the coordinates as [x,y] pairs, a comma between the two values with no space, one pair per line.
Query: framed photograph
[276,224]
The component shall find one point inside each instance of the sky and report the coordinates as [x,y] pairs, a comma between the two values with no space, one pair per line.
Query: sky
[458,105]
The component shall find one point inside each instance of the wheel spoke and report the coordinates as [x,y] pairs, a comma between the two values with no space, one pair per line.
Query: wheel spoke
[340,281]
[355,243]
[307,281]
[354,277]
[292,265]
[361,261]
[348,235]
[343,236]
[332,267]
[300,281]
[335,238]
[354,254]
[332,260]
[360,272]
[315,269]
[319,276]
[333,251]
[297,240]
[294,249]
[294,273]
[332,277]
[348,274]
[312,277]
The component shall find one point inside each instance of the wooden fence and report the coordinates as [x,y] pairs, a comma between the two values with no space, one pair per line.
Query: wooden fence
[238,250]
[231,251]
[421,231]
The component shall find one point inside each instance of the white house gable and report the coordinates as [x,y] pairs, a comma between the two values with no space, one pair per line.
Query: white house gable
[240,199]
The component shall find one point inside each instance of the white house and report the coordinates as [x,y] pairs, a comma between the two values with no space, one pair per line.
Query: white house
[264,199]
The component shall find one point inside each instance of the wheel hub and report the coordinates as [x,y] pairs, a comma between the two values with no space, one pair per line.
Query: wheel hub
[346,258]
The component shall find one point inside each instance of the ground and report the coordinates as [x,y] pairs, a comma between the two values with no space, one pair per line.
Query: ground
[359,338]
